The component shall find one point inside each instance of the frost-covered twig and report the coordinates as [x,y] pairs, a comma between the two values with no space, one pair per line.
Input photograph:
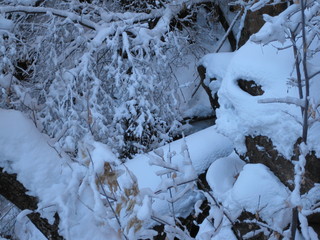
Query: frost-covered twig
[225,36]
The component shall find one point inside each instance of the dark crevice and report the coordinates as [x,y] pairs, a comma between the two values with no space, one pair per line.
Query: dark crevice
[250,87]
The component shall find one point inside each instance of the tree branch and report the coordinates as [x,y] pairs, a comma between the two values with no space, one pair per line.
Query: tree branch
[43,10]
[15,192]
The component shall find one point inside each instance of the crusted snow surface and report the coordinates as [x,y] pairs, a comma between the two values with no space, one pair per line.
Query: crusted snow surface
[240,114]
[204,147]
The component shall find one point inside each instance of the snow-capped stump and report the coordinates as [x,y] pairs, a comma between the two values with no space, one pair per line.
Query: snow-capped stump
[250,87]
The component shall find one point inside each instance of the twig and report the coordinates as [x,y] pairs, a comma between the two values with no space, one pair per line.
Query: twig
[178,184]
[228,31]
[288,100]
[170,191]
[223,211]
[107,197]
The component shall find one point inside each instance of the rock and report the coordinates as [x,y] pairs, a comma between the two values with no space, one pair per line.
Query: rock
[261,150]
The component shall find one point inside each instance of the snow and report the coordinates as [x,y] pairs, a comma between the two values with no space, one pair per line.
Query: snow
[250,187]
[100,155]
[61,185]
[24,229]
[72,187]
[216,64]
[6,24]
[257,190]
[143,212]
[69,188]
[207,232]
[5,80]
[241,114]
[222,173]
[197,105]
[204,147]
[22,2]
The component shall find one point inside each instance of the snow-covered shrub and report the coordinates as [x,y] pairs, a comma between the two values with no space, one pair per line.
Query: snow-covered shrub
[80,67]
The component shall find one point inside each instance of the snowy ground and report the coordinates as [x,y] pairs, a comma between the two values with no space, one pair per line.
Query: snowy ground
[70,187]
[60,184]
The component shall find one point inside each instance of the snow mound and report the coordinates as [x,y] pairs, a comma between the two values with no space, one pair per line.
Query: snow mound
[223,173]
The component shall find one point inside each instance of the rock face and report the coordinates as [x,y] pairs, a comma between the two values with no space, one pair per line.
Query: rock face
[261,150]
[250,87]
[254,20]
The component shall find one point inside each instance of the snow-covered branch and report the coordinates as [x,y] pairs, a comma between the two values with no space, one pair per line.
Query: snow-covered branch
[287,100]
[44,10]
